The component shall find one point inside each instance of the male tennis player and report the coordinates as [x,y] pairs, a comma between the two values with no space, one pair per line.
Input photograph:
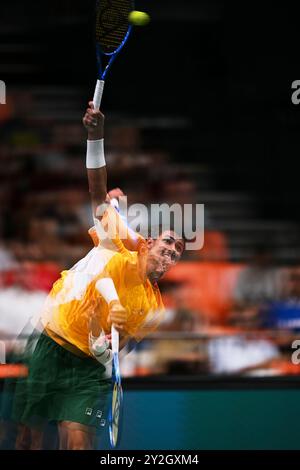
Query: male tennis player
[116,283]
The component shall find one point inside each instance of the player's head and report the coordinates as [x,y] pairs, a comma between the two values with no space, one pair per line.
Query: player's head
[163,253]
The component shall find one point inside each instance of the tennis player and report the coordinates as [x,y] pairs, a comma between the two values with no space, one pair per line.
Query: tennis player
[69,378]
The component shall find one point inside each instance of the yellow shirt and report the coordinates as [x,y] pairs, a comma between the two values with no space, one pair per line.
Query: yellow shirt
[74,300]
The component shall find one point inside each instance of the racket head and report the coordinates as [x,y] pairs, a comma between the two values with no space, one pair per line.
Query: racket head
[112,24]
[116,410]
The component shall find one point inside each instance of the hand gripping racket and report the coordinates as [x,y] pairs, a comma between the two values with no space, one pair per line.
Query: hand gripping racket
[115,415]
[112,32]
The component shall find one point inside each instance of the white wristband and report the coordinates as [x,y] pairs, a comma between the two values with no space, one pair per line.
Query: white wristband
[95,154]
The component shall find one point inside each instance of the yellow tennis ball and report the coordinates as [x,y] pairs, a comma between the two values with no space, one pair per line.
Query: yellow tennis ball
[138,18]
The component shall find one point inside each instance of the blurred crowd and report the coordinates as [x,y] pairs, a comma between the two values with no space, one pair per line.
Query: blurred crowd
[221,316]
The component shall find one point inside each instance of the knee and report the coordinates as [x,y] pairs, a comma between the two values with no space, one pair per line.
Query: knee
[78,445]
[23,438]
[75,436]
[78,441]
[36,440]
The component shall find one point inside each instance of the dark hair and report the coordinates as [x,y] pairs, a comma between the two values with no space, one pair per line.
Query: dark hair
[161,228]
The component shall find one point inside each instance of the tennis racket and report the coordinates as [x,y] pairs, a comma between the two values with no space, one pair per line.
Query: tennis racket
[115,415]
[112,32]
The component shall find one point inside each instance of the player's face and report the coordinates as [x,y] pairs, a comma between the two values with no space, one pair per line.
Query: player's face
[164,252]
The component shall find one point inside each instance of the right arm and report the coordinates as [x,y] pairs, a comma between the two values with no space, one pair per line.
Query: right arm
[97,179]
[96,168]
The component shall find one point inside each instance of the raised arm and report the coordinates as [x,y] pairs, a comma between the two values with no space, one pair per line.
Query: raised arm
[93,121]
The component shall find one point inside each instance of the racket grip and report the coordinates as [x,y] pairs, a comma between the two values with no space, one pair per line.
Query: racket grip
[98,94]
[114,340]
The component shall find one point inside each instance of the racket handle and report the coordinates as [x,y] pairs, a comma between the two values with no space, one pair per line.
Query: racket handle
[98,94]
[114,340]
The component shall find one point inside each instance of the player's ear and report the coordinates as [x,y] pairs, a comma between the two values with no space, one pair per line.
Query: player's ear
[150,243]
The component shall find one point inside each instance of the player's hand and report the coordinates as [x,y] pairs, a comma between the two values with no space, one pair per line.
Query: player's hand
[117,315]
[100,347]
[93,121]
[113,197]
[115,193]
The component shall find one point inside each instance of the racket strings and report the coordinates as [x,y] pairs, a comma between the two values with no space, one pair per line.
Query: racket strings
[112,23]
[116,413]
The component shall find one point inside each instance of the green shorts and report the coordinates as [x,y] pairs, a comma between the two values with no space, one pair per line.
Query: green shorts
[61,386]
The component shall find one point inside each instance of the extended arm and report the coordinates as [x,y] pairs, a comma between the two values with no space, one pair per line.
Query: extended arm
[96,168]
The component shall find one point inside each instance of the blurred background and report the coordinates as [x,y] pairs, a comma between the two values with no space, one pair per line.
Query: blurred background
[198,110]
